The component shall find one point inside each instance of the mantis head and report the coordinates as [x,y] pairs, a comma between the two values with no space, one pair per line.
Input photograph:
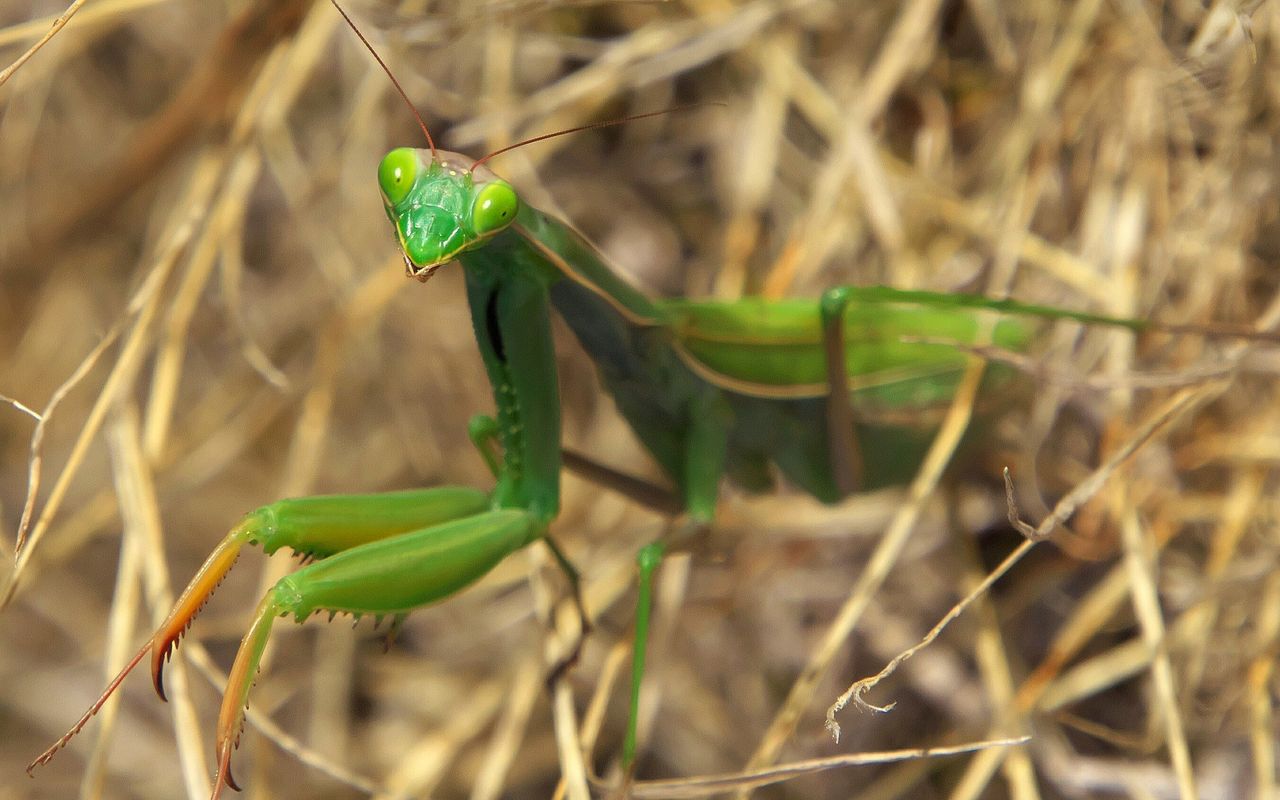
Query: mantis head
[441,206]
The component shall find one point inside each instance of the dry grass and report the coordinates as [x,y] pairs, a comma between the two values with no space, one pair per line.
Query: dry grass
[196,183]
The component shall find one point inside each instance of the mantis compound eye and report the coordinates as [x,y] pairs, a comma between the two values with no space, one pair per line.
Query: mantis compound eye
[494,208]
[396,174]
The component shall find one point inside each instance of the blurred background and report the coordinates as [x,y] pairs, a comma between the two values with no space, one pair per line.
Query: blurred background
[202,299]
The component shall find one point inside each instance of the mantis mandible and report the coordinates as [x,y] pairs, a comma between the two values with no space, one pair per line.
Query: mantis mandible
[713,390]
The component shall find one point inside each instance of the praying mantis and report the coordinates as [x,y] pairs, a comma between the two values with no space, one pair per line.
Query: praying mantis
[712,389]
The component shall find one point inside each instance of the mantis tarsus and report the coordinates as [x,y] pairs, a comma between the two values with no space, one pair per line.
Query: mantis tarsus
[712,389]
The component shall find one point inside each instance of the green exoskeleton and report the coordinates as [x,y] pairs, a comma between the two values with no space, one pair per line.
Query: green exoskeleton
[712,389]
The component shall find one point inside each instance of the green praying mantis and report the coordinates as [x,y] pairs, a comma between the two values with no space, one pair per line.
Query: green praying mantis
[712,389]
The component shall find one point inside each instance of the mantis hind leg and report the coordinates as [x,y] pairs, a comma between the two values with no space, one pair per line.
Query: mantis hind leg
[648,559]
[706,448]
[844,453]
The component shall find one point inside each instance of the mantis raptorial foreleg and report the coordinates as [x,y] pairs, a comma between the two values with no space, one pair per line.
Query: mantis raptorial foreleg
[390,576]
[315,527]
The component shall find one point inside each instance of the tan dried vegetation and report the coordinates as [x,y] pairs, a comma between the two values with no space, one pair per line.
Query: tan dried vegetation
[202,304]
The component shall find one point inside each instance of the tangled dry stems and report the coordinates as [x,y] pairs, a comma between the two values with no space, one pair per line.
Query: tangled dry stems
[210,192]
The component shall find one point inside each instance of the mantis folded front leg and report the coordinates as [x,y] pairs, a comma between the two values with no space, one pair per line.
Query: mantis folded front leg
[379,554]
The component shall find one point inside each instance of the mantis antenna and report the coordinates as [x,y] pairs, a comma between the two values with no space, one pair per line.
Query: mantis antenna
[591,126]
[422,124]
[396,83]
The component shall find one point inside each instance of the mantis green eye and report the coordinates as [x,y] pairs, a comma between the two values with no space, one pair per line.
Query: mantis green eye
[397,172]
[495,207]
